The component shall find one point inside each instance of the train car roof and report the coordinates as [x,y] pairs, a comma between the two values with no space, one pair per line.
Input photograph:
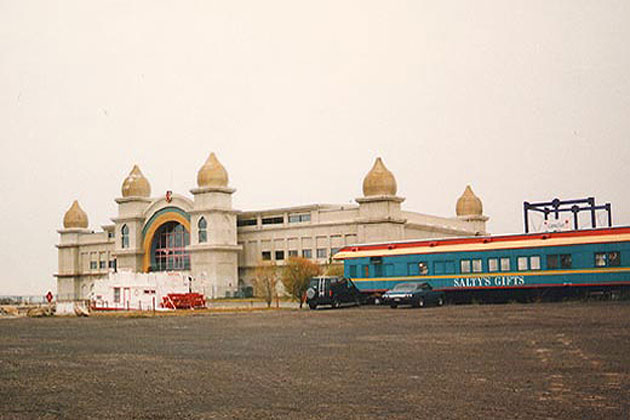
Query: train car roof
[482,243]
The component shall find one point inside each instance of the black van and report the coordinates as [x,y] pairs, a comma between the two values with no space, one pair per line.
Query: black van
[332,291]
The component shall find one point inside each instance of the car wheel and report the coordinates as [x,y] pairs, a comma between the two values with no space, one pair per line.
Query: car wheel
[440,301]
[393,305]
[312,305]
[335,304]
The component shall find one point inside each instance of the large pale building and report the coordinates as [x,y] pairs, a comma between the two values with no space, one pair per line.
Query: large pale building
[219,247]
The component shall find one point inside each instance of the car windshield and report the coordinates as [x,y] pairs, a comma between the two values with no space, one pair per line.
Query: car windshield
[405,287]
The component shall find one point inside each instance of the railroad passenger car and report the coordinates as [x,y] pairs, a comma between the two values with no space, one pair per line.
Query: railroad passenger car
[498,268]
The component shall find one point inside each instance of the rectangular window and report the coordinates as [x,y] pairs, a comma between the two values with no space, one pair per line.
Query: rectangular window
[566,261]
[266,255]
[423,268]
[555,261]
[534,262]
[279,255]
[110,235]
[493,264]
[93,265]
[521,263]
[600,259]
[505,264]
[112,263]
[321,253]
[552,262]
[102,264]
[607,259]
[275,220]
[116,294]
[299,218]
[293,253]
[352,270]
[464,266]
[477,266]
[246,222]
[307,253]
[614,259]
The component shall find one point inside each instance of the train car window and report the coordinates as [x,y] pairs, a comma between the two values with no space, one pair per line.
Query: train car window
[565,261]
[614,259]
[493,264]
[600,259]
[534,262]
[521,263]
[352,270]
[464,266]
[552,262]
[477,267]
[449,267]
[423,268]
[610,259]
[505,264]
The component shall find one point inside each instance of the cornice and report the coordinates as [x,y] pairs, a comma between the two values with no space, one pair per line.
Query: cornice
[203,190]
[378,198]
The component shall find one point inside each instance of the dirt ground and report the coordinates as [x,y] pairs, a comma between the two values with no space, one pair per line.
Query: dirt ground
[555,360]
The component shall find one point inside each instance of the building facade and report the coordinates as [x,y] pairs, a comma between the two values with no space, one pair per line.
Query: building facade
[219,247]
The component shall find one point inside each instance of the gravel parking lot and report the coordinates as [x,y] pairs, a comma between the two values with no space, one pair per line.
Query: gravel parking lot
[559,360]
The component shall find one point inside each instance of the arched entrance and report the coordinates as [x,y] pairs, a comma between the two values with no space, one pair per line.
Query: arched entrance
[166,237]
[168,248]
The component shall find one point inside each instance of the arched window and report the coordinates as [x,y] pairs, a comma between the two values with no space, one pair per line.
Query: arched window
[203,232]
[124,236]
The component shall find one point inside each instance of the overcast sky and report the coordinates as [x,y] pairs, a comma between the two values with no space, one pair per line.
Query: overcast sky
[524,100]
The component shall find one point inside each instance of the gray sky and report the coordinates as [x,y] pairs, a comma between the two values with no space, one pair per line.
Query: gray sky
[524,100]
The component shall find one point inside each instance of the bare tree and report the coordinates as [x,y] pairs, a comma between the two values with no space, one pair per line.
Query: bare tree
[266,281]
[296,275]
[334,270]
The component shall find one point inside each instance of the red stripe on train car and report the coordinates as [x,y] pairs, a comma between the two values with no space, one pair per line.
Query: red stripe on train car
[485,239]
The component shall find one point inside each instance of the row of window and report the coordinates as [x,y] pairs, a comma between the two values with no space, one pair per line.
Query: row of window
[276,220]
[475,265]
[306,253]
[94,265]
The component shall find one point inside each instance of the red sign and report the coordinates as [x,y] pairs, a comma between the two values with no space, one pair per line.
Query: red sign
[49,296]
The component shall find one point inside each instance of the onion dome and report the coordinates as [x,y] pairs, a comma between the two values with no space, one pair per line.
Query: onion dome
[212,174]
[469,204]
[379,181]
[75,217]
[136,185]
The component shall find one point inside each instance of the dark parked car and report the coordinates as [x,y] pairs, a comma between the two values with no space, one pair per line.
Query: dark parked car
[332,291]
[414,294]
